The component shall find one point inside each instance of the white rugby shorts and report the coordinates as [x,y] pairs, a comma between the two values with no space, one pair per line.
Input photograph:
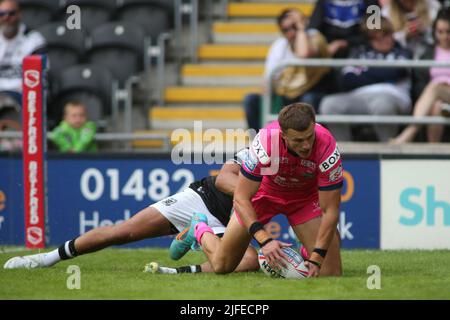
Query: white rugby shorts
[179,209]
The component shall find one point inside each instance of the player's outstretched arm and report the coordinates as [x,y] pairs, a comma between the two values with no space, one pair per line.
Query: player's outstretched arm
[330,202]
[245,190]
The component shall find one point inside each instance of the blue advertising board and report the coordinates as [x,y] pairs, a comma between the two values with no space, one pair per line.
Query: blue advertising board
[12,229]
[84,193]
[98,192]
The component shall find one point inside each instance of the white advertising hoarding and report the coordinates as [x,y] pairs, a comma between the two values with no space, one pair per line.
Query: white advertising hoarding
[415,204]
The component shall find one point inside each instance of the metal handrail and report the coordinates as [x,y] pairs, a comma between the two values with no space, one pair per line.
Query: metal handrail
[374,119]
[107,137]
[178,21]
[128,111]
[194,30]
[224,5]
[180,9]
[209,9]
[349,119]
[161,65]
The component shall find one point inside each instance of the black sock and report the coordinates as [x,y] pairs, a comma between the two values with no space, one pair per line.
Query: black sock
[67,250]
[189,269]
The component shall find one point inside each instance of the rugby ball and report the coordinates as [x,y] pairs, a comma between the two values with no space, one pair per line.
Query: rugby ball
[295,269]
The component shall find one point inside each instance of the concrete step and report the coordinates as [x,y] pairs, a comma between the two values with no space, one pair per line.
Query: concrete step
[206,117]
[245,27]
[208,94]
[222,74]
[254,9]
[245,32]
[232,52]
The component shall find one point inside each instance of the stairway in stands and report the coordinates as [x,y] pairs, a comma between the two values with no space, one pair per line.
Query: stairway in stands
[231,66]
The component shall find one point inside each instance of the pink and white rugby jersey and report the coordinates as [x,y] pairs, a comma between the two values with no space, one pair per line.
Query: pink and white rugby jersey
[288,175]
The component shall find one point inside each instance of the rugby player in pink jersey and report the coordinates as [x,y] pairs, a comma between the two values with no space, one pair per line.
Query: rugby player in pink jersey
[294,168]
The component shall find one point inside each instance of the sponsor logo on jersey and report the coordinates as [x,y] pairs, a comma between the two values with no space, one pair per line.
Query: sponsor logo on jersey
[336,174]
[330,161]
[281,181]
[308,164]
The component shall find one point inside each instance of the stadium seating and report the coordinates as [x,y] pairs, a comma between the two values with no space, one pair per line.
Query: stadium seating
[93,12]
[230,67]
[153,16]
[118,46]
[90,84]
[36,13]
[64,47]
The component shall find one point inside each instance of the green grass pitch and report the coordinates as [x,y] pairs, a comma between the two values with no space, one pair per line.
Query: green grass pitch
[118,274]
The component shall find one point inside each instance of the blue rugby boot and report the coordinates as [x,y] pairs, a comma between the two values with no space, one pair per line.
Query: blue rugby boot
[186,240]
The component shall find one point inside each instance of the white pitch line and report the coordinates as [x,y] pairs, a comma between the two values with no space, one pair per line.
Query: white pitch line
[13,249]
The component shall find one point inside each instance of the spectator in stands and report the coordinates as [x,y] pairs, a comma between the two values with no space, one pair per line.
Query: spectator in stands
[412,21]
[293,83]
[75,133]
[372,91]
[16,42]
[339,22]
[433,85]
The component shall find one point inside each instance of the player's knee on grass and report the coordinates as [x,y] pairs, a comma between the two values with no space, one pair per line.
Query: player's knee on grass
[222,266]
[332,268]
[332,272]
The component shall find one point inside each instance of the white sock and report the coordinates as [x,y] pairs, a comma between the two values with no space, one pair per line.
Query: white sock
[50,258]
[167,270]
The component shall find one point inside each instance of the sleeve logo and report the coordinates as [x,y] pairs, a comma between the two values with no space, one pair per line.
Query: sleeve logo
[259,150]
[330,161]
[242,156]
[336,174]
[251,161]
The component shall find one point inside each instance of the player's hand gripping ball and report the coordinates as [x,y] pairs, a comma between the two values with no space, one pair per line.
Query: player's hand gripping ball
[295,269]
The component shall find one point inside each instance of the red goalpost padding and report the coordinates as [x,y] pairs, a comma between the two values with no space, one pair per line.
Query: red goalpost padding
[34,151]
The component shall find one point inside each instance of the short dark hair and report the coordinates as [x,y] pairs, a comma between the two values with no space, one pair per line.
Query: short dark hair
[297,116]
